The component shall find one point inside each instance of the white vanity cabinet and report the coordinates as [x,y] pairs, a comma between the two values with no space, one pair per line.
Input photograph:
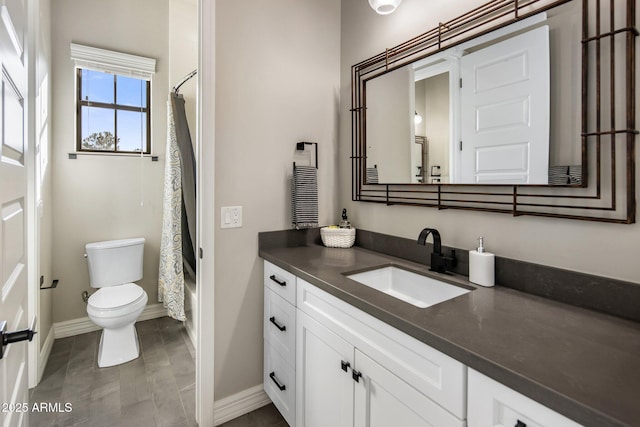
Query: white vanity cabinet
[492,404]
[354,370]
[280,339]
[327,363]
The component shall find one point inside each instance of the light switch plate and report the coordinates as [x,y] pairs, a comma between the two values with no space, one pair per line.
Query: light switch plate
[231,217]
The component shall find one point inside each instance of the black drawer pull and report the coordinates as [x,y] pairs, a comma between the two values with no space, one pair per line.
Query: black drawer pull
[520,424]
[282,387]
[344,365]
[272,319]
[356,375]
[273,277]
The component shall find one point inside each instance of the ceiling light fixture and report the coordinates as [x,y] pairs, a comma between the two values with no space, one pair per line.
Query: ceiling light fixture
[384,7]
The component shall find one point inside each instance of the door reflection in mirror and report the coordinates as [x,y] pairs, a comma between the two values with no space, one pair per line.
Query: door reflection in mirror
[497,127]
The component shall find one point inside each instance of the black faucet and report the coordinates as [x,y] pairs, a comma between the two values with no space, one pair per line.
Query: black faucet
[439,262]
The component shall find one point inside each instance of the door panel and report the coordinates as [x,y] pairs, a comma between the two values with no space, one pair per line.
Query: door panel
[13,259]
[511,113]
[13,222]
[500,72]
[505,163]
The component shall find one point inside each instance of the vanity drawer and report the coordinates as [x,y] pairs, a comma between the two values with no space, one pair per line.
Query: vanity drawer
[491,404]
[280,383]
[280,281]
[280,325]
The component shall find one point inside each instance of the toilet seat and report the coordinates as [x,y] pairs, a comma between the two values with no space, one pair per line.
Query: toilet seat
[115,297]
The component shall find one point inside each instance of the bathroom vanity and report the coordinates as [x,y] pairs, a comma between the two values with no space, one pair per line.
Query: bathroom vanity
[340,353]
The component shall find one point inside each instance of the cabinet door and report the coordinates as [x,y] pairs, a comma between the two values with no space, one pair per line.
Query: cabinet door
[382,400]
[323,378]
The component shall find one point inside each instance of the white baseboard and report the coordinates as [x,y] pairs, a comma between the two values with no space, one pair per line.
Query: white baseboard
[83,325]
[239,404]
[153,311]
[45,352]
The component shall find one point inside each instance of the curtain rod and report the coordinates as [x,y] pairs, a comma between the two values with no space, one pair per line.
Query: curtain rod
[176,88]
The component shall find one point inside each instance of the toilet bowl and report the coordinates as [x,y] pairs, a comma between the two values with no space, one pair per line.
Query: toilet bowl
[115,309]
[113,267]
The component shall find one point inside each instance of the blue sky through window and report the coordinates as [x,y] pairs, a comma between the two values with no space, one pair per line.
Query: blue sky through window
[132,130]
[131,91]
[98,87]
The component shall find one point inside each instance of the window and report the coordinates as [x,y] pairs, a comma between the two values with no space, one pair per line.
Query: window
[113,100]
[113,113]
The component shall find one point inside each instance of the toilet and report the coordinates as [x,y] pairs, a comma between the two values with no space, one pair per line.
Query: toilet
[113,267]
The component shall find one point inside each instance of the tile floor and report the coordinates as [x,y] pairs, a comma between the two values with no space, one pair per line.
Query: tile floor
[157,389]
[267,416]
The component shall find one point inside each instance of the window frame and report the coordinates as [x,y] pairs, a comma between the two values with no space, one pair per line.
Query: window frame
[110,106]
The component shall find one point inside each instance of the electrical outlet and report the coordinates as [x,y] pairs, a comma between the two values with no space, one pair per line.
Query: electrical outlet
[231,217]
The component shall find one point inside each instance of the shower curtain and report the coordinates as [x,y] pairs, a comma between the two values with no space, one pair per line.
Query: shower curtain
[177,248]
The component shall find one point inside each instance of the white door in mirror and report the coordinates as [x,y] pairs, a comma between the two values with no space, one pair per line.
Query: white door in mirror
[505,111]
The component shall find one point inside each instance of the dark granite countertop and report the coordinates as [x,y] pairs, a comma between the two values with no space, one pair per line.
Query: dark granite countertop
[580,363]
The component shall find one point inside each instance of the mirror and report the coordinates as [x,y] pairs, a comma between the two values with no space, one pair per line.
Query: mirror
[424,126]
[604,187]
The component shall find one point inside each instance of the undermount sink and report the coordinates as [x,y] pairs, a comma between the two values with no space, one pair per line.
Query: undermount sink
[416,289]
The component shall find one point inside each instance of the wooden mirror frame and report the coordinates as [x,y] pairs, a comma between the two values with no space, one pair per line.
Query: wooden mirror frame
[601,153]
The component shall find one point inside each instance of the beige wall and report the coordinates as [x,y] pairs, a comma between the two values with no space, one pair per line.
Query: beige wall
[565,30]
[43,168]
[389,146]
[597,248]
[436,122]
[183,54]
[277,83]
[99,197]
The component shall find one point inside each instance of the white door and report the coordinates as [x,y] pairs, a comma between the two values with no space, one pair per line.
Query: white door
[323,376]
[382,400]
[13,200]
[505,111]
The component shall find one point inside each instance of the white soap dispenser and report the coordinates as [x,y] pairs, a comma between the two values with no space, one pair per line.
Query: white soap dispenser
[481,266]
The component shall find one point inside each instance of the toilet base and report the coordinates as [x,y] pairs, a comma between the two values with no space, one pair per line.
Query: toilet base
[118,346]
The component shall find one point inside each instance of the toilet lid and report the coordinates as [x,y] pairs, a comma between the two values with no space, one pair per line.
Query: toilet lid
[116,296]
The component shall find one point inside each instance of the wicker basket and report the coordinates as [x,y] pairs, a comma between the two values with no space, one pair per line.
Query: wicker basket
[338,237]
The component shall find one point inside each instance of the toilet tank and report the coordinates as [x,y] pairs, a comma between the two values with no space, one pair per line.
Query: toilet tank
[115,262]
